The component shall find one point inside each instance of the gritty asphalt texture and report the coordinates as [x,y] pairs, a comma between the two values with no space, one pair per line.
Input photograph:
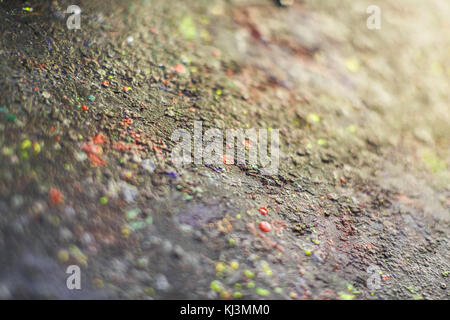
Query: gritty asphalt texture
[86,178]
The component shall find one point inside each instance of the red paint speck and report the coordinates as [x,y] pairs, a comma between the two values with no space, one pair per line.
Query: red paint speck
[263,211]
[55,196]
[265,226]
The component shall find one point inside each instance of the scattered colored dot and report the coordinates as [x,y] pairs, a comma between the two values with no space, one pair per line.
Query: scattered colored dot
[98,283]
[262,292]
[220,267]
[234,265]
[313,118]
[55,196]
[216,286]
[265,226]
[103,200]
[99,139]
[227,159]
[321,142]
[179,68]
[249,274]
[25,144]
[263,211]
[63,255]
[125,231]
[352,64]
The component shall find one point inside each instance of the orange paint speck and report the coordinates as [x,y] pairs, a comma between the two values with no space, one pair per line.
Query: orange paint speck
[55,196]
[228,160]
[96,160]
[179,68]
[99,139]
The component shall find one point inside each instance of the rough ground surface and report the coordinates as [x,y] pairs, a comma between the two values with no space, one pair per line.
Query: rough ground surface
[364,125]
